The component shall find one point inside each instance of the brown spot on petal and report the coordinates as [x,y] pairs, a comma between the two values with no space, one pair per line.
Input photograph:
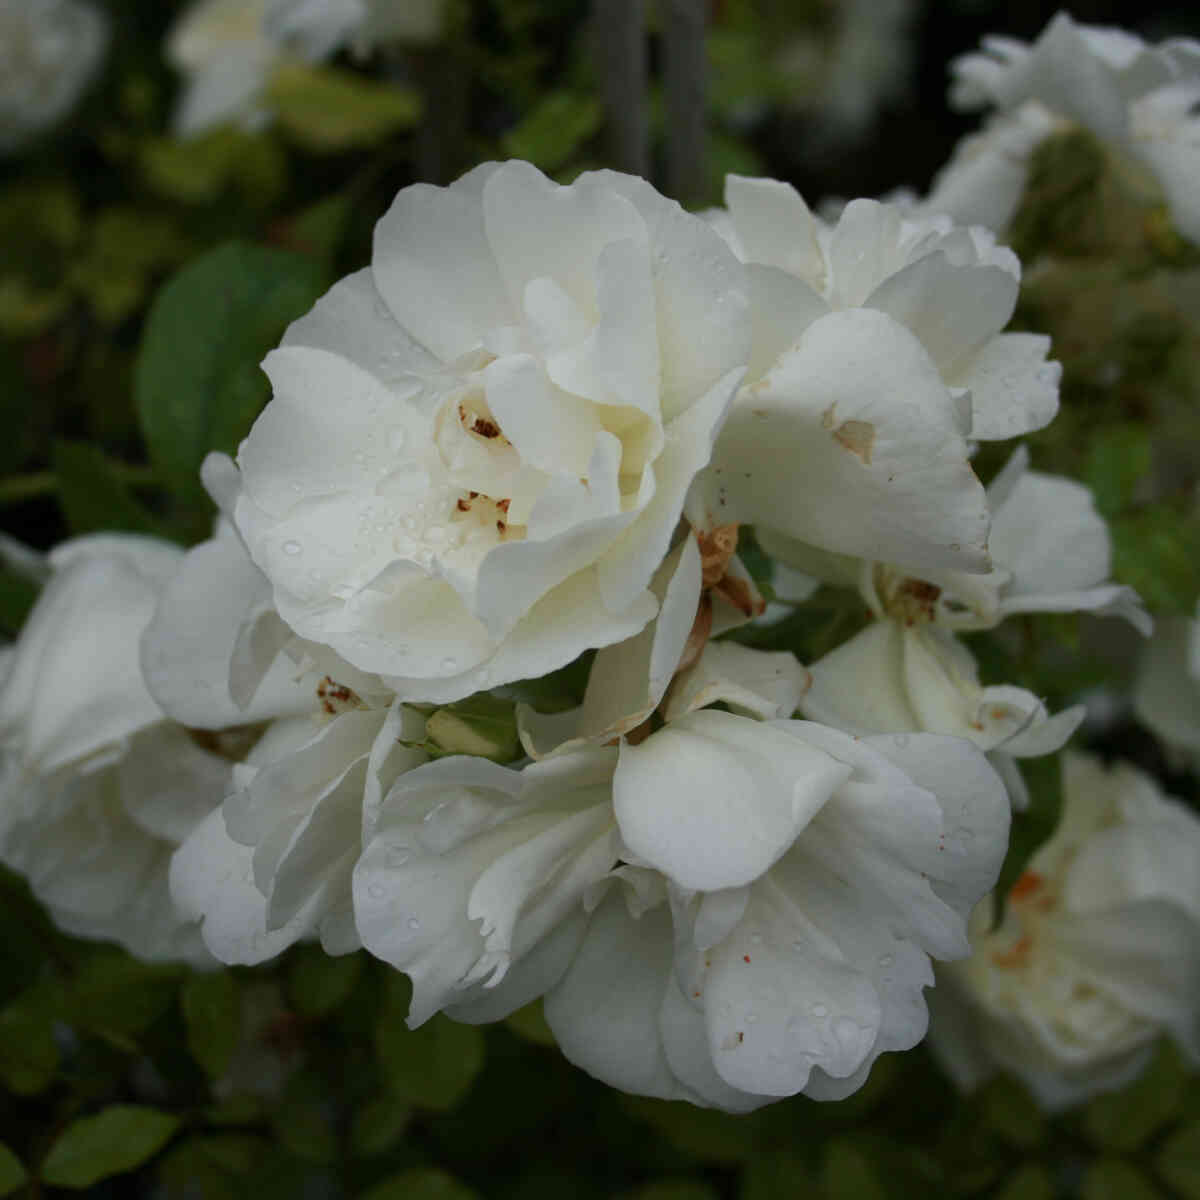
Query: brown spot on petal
[699,635]
[858,437]
[1016,956]
[717,547]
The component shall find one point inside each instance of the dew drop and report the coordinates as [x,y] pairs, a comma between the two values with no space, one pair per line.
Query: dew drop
[751,1018]
[819,1010]
[966,836]
[396,439]
[756,938]
[449,664]
[375,891]
[900,740]
[360,458]
[413,923]
[292,548]
[886,960]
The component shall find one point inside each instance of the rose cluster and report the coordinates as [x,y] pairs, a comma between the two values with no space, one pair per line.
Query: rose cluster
[533,433]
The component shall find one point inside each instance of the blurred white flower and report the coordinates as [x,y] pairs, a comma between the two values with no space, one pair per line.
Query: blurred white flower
[1139,100]
[877,353]
[1098,952]
[228,49]
[49,52]
[98,786]
[1166,693]
[479,447]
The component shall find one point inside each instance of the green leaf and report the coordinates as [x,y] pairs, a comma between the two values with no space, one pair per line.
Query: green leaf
[675,1189]
[779,1175]
[197,381]
[430,1067]
[1127,1119]
[849,1174]
[93,494]
[318,982]
[1178,1161]
[1027,1183]
[1154,551]
[1012,1114]
[482,725]
[702,1134]
[28,1051]
[302,1120]
[116,1140]
[118,996]
[204,169]
[12,1173]
[550,134]
[1112,1179]
[378,1126]
[324,108]
[421,1183]
[18,595]
[530,1023]
[212,1011]
[1118,459]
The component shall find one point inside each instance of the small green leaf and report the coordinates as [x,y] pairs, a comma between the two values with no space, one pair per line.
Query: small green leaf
[849,1174]
[12,1173]
[530,1023]
[1112,1179]
[324,108]
[93,494]
[302,1121]
[28,1051]
[120,997]
[1178,1161]
[430,1067]
[421,1183]
[1027,1183]
[550,134]
[482,725]
[675,1189]
[378,1126]
[778,1175]
[1127,1119]
[1012,1113]
[18,595]
[116,1140]
[1118,459]
[317,982]
[212,1012]
[197,380]
[203,170]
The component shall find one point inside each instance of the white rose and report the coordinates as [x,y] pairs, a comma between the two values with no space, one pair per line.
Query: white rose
[325,26]
[98,786]
[877,352]
[479,447]
[1098,952]
[49,52]
[1139,100]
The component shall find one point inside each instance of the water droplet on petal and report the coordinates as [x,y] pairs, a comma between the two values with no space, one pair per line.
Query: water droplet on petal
[819,1010]
[449,664]
[900,740]
[756,938]
[751,1018]
[413,923]
[396,439]
[375,891]
[291,547]
[886,960]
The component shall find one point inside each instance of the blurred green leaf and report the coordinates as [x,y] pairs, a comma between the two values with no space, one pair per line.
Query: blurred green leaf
[28,1051]
[703,1134]
[1112,1179]
[317,982]
[324,108]
[1127,1119]
[421,1183]
[1178,1162]
[114,1141]
[212,1012]
[379,1125]
[12,1173]
[1118,459]
[303,1119]
[197,381]
[849,1174]
[1011,1112]
[552,132]
[482,725]
[120,997]
[201,170]
[1027,1183]
[430,1067]
[17,596]
[530,1023]
[674,1189]
[94,496]
[1157,551]
[778,1175]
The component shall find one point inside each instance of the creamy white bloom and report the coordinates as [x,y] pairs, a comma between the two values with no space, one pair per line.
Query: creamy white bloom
[1139,100]
[49,52]
[1051,552]
[877,353]
[98,786]
[1098,952]
[325,26]
[1166,692]
[478,448]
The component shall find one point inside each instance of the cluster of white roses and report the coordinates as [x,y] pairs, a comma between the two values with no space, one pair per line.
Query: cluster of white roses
[532,429]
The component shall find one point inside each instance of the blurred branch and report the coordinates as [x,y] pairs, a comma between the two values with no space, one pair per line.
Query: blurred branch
[685,76]
[619,30]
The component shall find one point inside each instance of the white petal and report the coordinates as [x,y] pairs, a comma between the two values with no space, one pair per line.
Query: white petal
[1014,390]
[775,227]
[712,799]
[860,686]
[751,683]
[829,420]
